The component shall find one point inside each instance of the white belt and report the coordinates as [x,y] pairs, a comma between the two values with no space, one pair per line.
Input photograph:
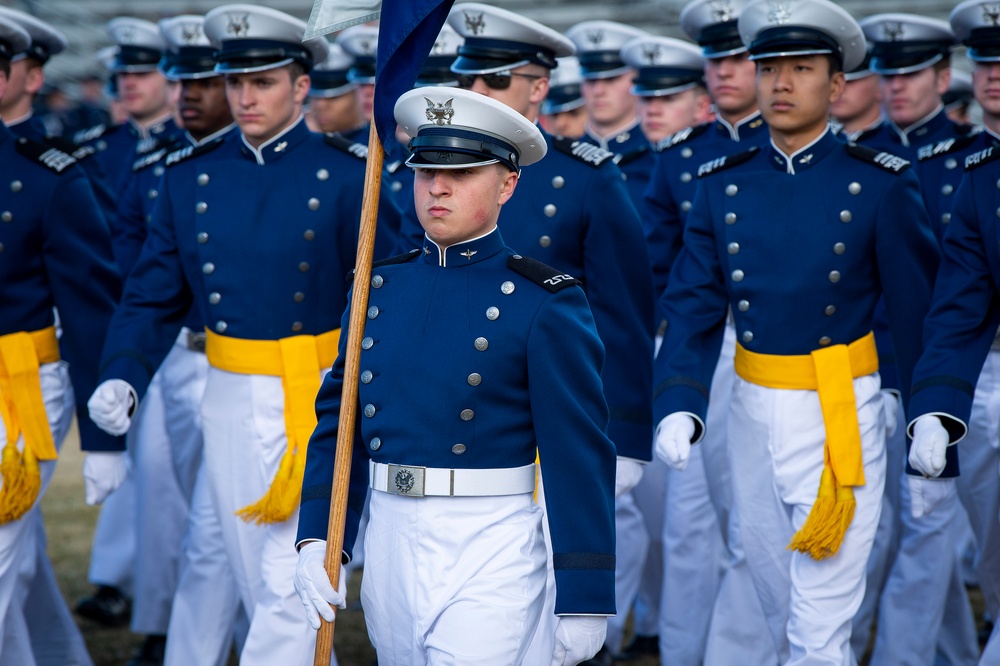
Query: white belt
[414,481]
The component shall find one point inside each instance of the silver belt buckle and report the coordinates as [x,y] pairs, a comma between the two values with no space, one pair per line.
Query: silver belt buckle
[405,480]
[196,341]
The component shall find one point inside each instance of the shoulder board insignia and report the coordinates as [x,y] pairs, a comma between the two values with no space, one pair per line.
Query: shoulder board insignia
[981,157]
[625,158]
[587,153]
[51,158]
[952,145]
[79,153]
[683,136]
[154,143]
[726,161]
[541,274]
[149,159]
[880,158]
[188,152]
[337,140]
[92,133]
[398,259]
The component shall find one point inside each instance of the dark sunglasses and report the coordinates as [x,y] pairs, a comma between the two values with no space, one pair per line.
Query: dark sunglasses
[494,81]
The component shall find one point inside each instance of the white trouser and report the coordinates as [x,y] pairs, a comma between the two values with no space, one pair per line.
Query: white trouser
[706,614]
[112,552]
[244,429]
[55,638]
[207,603]
[651,498]
[453,581]
[20,540]
[631,547]
[927,564]
[776,442]
[165,440]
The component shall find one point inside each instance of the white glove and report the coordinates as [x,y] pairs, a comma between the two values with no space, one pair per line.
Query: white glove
[673,439]
[930,441]
[111,406]
[927,494]
[627,476]
[103,472]
[578,638]
[313,584]
[890,407]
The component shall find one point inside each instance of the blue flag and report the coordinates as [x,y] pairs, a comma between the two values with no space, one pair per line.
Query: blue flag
[406,34]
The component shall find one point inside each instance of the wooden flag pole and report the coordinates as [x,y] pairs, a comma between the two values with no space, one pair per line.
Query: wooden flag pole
[349,397]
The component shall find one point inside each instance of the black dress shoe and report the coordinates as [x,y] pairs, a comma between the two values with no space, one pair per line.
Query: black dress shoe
[641,646]
[150,653]
[602,658]
[107,605]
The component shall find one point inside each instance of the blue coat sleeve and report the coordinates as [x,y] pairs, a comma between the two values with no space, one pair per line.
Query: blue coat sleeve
[663,225]
[129,228]
[317,484]
[695,304]
[154,304]
[963,319]
[619,289]
[577,459]
[85,285]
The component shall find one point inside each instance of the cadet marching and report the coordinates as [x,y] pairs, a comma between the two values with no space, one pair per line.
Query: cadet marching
[675,349]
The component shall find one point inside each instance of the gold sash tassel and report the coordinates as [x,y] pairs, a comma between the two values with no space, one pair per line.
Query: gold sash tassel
[298,360]
[830,372]
[22,408]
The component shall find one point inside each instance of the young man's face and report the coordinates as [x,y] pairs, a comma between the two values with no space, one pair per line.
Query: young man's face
[795,92]
[664,116]
[909,98]
[202,105]
[336,114]
[265,103]
[986,87]
[730,82]
[527,86]
[567,123]
[143,94]
[455,205]
[861,97]
[25,79]
[366,96]
[608,101]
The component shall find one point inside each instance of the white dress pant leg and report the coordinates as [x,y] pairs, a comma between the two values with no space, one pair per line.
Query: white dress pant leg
[165,438]
[453,581]
[112,552]
[19,539]
[543,641]
[651,498]
[776,440]
[207,603]
[244,430]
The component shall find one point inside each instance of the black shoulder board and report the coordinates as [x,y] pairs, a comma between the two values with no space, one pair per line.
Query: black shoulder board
[79,153]
[155,143]
[880,158]
[541,274]
[625,158]
[188,152]
[981,157]
[683,136]
[952,145]
[587,153]
[337,140]
[50,158]
[726,161]
[149,160]
[398,259]
[967,129]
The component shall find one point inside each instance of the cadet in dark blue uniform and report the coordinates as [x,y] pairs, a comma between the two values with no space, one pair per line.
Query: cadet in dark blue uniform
[360,42]
[507,361]
[573,213]
[333,98]
[912,55]
[612,112]
[562,112]
[257,233]
[959,335]
[799,239]
[51,234]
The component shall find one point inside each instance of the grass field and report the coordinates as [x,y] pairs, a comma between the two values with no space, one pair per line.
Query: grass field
[70,523]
